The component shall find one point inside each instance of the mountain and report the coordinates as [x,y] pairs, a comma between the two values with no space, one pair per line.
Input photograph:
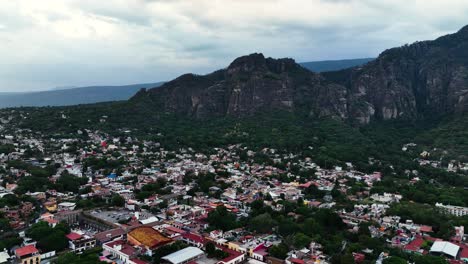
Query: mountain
[250,84]
[425,79]
[72,96]
[334,65]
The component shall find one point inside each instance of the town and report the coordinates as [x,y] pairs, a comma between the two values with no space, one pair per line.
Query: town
[123,200]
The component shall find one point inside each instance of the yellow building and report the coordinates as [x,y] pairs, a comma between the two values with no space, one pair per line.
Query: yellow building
[28,255]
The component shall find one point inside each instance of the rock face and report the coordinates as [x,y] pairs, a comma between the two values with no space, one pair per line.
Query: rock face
[414,81]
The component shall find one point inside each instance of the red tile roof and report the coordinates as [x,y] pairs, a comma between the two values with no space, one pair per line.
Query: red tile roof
[232,253]
[425,229]
[296,261]
[463,251]
[415,245]
[126,249]
[193,237]
[27,250]
[73,236]
[139,261]
[175,229]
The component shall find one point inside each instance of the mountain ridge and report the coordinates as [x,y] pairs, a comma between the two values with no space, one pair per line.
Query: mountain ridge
[410,82]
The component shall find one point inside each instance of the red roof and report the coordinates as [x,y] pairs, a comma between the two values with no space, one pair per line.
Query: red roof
[139,261]
[175,229]
[415,245]
[126,249]
[193,237]
[305,185]
[232,253]
[425,229]
[296,261]
[463,251]
[27,250]
[359,257]
[74,236]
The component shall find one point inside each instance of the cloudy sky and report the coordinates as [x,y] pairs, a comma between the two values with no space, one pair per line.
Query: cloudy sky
[50,43]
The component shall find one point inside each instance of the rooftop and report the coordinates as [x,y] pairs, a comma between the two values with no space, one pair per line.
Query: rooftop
[27,250]
[445,248]
[148,236]
[183,255]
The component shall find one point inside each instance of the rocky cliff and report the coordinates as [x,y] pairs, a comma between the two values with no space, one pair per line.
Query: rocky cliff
[414,81]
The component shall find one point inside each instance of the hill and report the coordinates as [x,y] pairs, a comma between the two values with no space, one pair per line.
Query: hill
[72,96]
[334,65]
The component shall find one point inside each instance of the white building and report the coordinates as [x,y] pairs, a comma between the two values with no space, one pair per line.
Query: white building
[445,248]
[185,255]
[453,210]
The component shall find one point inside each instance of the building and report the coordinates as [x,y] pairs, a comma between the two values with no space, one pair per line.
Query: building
[66,206]
[70,217]
[4,257]
[183,256]
[79,243]
[119,251]
[109,235]
[445,248]
[453,210]
[28,255]
[147,237]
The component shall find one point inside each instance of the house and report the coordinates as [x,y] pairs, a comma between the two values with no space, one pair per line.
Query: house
[119,250]
[79,243]
[109,235]
[193,239]
[233,258]
[28,255]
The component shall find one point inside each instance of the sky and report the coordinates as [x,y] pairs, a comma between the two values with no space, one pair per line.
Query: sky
[55,43]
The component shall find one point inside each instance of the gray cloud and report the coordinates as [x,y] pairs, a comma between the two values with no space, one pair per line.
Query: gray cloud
[85,42]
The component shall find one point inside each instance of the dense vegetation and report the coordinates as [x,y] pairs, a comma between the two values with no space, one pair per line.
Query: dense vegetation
[49,238]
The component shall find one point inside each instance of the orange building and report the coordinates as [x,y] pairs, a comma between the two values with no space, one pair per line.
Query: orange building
[147,237]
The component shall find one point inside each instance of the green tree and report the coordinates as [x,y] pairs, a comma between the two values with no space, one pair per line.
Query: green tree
[117,200]
[301,240]
[279,251]
[394,260]
[263,223]
[222,219]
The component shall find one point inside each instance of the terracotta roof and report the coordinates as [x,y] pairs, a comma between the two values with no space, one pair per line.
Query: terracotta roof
[232,253]
[175,229]
[425,229]
[139,261]
[193,237]
[73,236]
[109,234]
[126,249]
[464,251]
[415,245]
[27,250]
[149,237]
[296,261]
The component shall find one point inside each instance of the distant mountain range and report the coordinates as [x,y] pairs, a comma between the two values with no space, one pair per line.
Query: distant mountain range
[72,96]
[334,65]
